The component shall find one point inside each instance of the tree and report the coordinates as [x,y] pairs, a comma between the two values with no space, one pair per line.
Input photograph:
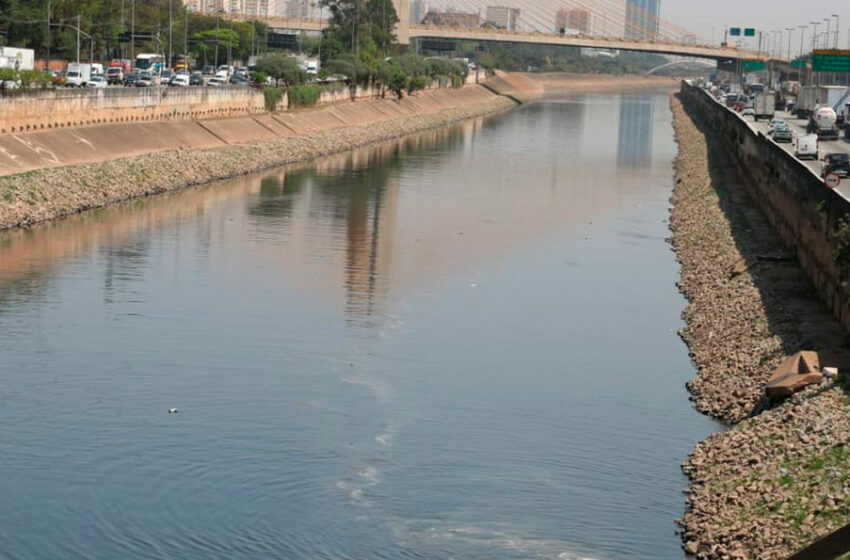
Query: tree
[381,18]
[394,77]
[281,68]
[208,40]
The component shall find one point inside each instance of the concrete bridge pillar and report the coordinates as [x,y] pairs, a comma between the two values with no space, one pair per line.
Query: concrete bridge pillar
[402,30]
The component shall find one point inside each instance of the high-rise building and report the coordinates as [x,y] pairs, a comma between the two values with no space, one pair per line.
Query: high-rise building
[579,20]
[642,19]
[573,21]
[259,8]
[417,11]
[298,8]
[502,17]
[452,19]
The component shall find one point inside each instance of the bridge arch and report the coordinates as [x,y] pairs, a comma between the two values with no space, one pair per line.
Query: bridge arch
[680,63]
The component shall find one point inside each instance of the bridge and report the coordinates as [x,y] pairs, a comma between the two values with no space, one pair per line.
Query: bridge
[599,24]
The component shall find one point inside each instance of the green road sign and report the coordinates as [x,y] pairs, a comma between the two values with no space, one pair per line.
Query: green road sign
[798,64]
[749,32]
[831,61]
[735,31]
[752,65]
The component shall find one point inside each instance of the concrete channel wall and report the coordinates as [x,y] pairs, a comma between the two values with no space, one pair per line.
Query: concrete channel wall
[27,151]
[794,199]
[66,107]
[62,108]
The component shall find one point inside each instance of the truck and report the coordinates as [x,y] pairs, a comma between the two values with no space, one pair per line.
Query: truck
[17,59]
[824,123]
[764,106]
[812,97]
[78,74]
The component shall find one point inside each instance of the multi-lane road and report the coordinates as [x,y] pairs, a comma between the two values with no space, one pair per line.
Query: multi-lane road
[798,126]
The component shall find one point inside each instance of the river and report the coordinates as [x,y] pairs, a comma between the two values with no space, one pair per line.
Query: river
[459,345]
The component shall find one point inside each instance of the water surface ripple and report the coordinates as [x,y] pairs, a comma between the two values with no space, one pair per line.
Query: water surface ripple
[459,345]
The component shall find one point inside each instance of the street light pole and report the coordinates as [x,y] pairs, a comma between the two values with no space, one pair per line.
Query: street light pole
[170,33]
[814,46]
[48,34]
[835,44]
[790,31]
[78,40]
[133,30]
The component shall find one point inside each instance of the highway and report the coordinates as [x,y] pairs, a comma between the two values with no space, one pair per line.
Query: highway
[798,126]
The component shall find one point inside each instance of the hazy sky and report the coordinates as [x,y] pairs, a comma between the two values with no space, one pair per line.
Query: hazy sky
[765,15]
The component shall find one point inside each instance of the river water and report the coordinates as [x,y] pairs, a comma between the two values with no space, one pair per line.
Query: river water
[462,345]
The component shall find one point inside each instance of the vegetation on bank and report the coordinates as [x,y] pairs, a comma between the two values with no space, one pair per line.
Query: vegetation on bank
[208,38]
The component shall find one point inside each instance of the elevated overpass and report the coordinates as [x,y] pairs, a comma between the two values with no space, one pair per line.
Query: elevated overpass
[669,39]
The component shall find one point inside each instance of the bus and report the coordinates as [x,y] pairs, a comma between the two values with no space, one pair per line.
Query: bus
[151,63]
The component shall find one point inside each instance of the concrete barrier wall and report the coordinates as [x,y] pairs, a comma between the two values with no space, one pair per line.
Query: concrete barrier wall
[794,199]
[76,107]
[63,108]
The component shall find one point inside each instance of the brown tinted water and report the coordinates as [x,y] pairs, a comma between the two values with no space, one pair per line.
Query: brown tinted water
[459,345]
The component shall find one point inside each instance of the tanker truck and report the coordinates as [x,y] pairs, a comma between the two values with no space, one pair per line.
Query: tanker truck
[824,123]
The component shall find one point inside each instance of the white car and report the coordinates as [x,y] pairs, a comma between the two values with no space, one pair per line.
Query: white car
[806,146]
[96,82]
[216,82]
[748,112]
[180,80]
[771,126]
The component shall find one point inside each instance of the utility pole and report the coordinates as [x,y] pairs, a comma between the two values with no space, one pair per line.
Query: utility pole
[814,46]
[790,31]
[48,34]
[133,30]
[78,39]
[186,32]
[837,28]
[170,34]
[217,28]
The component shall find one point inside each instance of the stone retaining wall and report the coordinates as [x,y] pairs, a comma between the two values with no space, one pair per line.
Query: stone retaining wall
[794,199]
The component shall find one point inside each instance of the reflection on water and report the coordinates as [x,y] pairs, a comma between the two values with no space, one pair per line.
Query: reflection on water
[634,141]
[458,345]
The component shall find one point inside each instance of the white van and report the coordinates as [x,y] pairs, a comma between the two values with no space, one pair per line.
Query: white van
[806,146]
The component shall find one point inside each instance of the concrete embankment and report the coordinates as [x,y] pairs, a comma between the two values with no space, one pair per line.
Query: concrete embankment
[778,478]
[53,173]
[53,192]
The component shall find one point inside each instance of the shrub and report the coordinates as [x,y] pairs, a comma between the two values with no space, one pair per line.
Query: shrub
[273,96]
[304,96]
[418,83]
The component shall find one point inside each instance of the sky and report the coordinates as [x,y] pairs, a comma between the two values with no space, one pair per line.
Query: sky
[703,18]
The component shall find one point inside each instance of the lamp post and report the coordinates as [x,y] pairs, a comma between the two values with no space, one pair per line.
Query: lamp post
[790,31]
[828,22]
[170,33]
[814,46]
[835,44]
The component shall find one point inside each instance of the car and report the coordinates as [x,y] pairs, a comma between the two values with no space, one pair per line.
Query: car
[209,70]
[196,79]
[836,163]
[806,146]
[180,80]
[771,126]
[145,80]
[239,80]
[96,82]
[131,80]
[166,76]
[216,82]
[58,78]
[114,75]
[748,111]
[782,133]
